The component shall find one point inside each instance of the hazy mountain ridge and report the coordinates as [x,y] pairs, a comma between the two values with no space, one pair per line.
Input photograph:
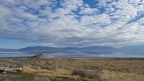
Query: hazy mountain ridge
[6,49]
[133,47]
[68,48]
[101,48]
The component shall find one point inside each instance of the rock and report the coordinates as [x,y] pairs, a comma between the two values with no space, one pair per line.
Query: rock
[11,70]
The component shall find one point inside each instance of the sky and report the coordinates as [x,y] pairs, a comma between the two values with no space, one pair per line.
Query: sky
[71,23]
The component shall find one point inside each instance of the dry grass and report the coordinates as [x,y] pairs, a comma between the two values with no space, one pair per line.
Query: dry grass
[119,76]
[61,69]
[28,69]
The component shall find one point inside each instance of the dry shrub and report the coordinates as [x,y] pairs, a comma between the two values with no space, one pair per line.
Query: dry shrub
[88,73]
[81,73]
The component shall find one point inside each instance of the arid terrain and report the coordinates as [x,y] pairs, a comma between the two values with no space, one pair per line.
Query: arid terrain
[80,69]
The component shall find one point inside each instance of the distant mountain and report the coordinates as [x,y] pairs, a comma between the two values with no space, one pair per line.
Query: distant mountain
[5,49]
[133,47]
[41,48]
[2,49]
[104,48]
[98,48]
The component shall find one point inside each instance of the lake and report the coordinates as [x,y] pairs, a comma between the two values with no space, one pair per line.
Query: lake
[74,54]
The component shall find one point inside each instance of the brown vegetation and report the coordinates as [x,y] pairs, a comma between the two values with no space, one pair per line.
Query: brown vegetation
[75,70]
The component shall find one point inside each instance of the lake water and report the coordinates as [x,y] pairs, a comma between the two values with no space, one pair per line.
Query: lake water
[75,54]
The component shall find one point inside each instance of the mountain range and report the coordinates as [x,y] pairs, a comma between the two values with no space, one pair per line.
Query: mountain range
[6,49]
[104,48]
[40,48]
[133,47]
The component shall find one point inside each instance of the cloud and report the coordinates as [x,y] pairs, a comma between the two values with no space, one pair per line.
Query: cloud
[73,22]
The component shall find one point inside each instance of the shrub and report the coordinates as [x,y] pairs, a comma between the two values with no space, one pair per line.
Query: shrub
[82,73]
[88,73]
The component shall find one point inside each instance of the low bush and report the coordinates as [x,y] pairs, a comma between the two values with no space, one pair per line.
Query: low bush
[82,73]
[87,73]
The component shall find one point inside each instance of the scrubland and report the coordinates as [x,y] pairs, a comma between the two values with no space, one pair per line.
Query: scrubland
[80,69]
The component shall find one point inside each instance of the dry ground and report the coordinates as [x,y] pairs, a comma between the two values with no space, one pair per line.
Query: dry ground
[62,70]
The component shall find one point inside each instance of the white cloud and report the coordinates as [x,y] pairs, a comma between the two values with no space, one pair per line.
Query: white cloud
[89,11]
[73,23]
[4,11]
